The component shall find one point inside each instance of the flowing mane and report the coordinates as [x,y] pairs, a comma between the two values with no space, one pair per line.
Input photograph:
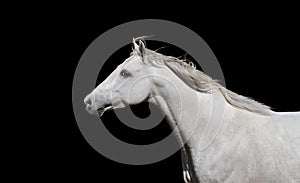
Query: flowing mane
[199,81]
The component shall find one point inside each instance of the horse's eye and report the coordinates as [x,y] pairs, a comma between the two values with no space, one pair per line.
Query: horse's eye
[124,73]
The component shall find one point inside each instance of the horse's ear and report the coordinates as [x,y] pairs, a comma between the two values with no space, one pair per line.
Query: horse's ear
[142,48]
[139,48]
[135,46]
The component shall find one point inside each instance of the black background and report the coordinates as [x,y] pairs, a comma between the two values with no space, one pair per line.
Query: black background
[258,53]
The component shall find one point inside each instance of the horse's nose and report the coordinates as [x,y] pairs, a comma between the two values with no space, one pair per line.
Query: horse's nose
[87,101]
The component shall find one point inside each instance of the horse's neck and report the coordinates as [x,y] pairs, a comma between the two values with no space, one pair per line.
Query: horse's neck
[197,115]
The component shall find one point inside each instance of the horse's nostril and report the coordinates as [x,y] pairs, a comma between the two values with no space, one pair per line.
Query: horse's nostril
[88,102]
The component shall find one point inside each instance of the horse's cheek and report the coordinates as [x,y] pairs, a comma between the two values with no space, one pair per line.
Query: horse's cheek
[138,92]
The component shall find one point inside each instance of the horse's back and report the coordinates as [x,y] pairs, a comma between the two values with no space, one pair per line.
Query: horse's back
[289,126]
[290,122]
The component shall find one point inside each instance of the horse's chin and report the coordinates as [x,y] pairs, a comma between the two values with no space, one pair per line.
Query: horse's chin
[101,110]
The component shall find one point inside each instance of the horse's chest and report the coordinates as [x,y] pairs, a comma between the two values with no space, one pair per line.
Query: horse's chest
[220,164]
[242,160]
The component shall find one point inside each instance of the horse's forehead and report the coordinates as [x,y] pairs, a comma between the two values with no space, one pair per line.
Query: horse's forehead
[131,62]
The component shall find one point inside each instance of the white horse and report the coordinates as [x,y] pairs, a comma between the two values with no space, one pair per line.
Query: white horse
[229,138]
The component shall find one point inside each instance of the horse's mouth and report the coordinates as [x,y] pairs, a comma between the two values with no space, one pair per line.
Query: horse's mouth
[101,110]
